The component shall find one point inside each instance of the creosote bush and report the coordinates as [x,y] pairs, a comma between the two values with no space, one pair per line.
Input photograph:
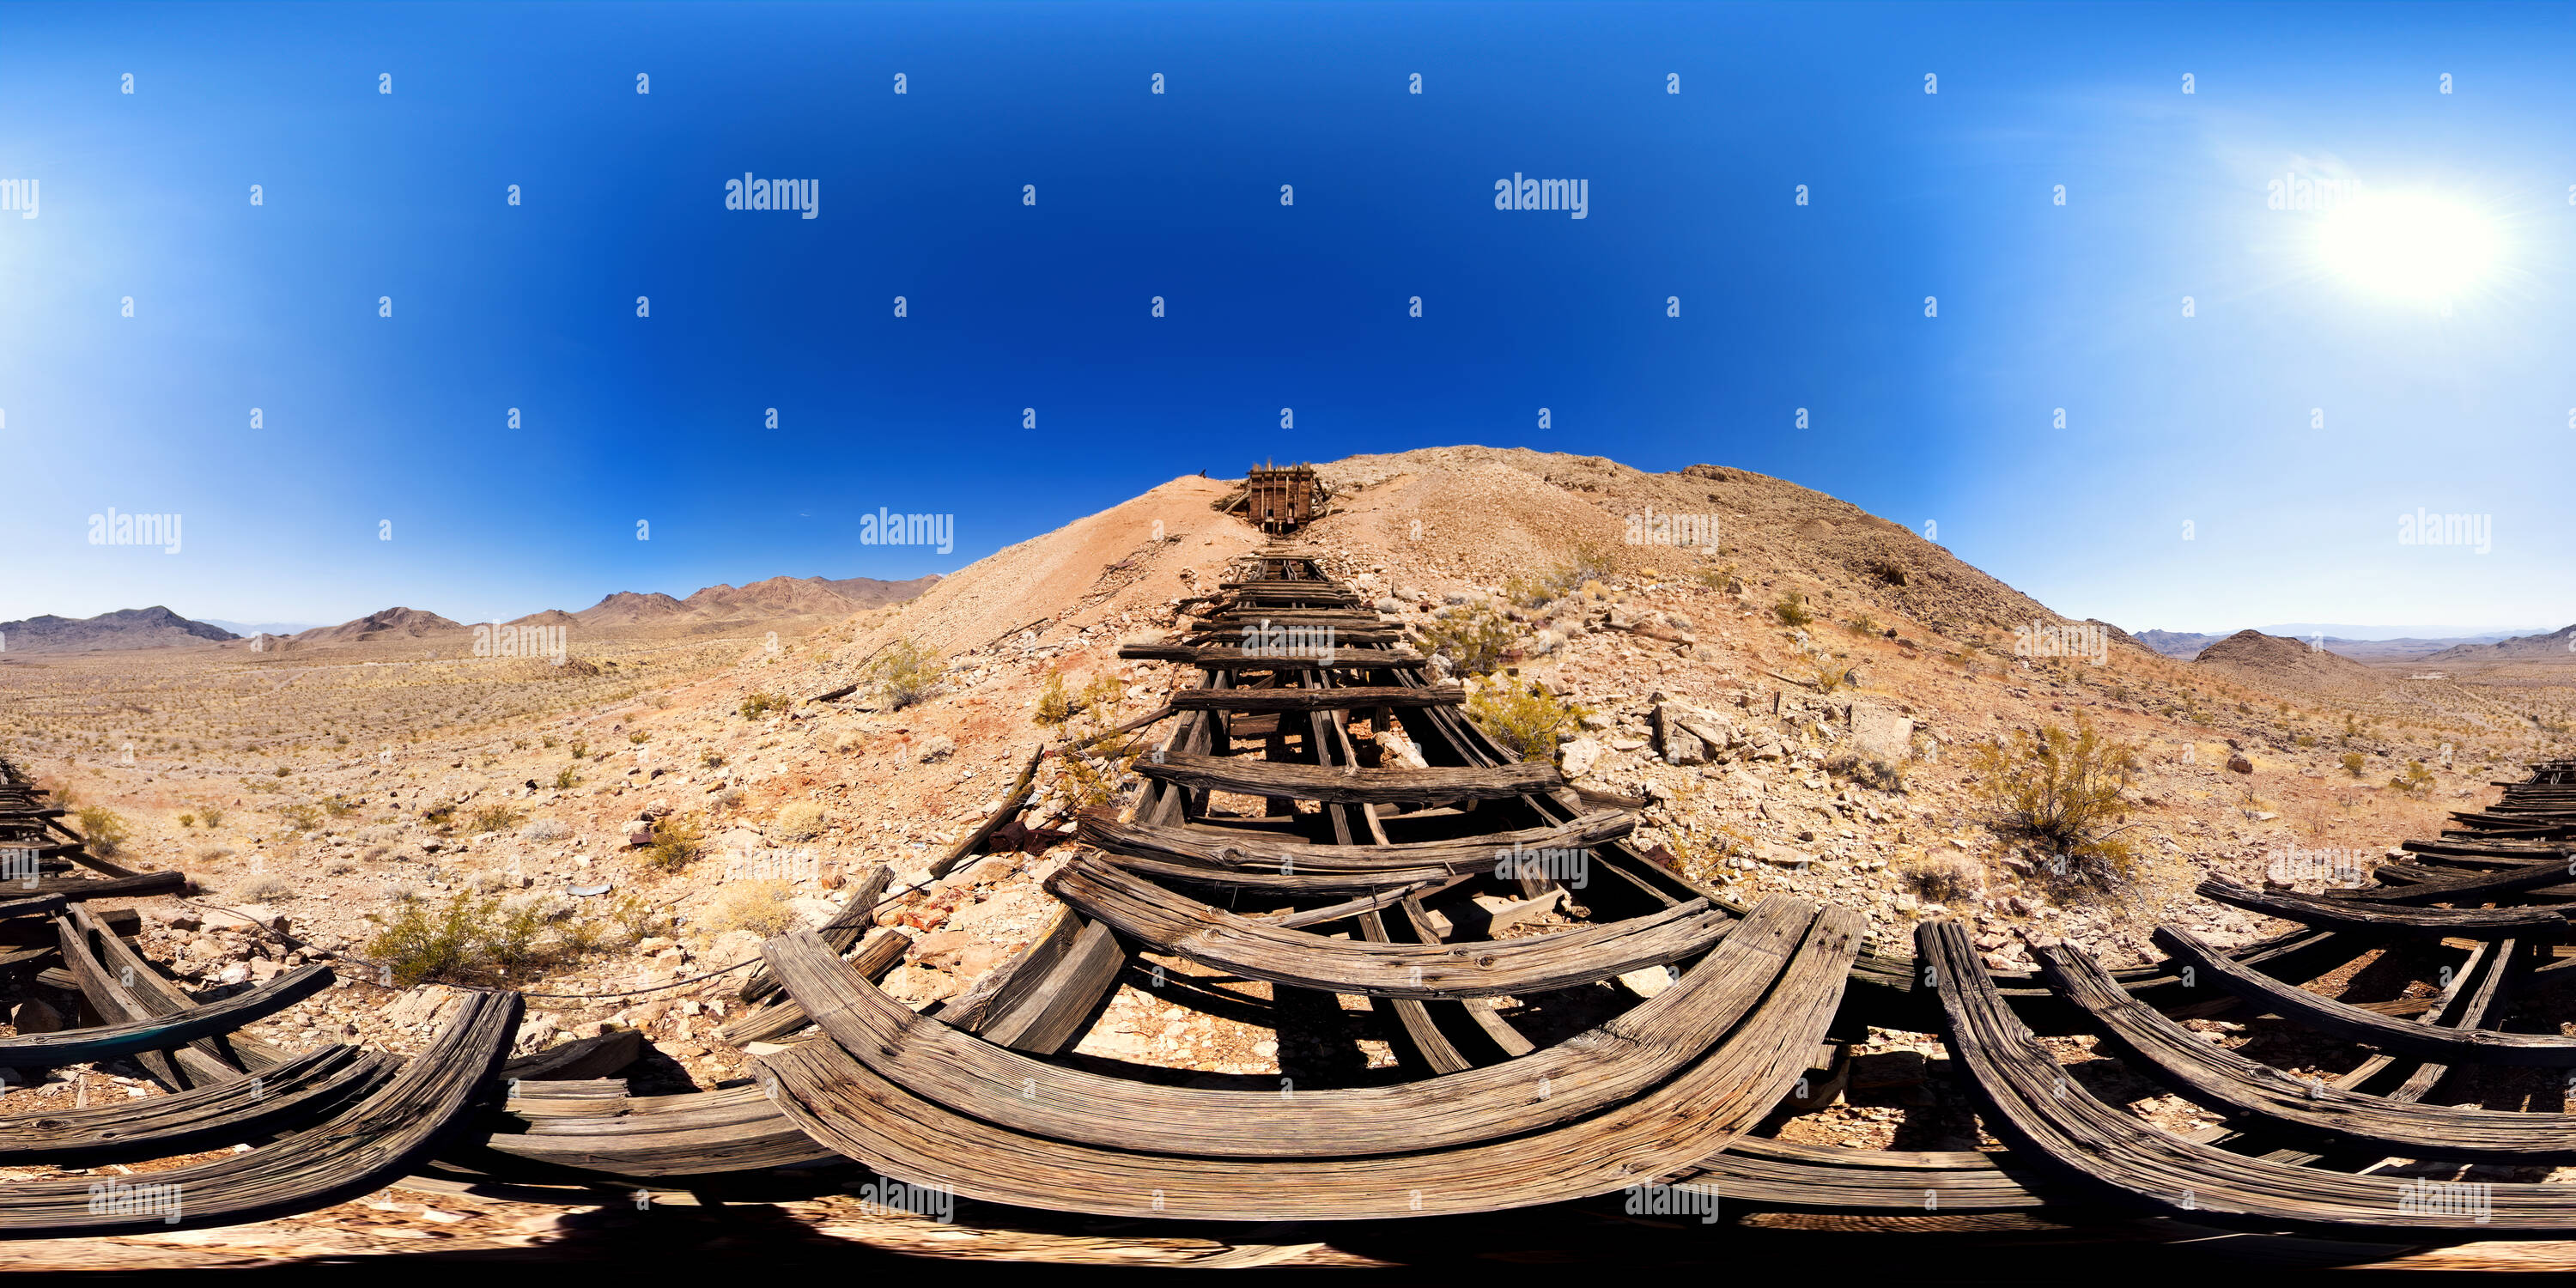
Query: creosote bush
[1792,610]
[1474,638]
[472,941]
[1523,718]
[676,843]
[103,828]
[2063,790]
[908,673]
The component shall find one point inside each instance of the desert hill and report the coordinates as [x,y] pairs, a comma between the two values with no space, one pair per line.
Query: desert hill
[391,623]
[154,627]
[2276,662]
[2557,646]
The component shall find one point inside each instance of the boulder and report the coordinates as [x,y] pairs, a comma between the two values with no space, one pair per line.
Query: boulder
[1581,755]
[2239,765]
[1880,732]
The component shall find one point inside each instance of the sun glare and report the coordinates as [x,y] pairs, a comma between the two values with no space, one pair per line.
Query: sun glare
[2410,246]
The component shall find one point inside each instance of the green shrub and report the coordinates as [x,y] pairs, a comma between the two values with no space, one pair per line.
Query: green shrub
[762,703]
[1523,718]
[1055,706]
[1473,638]
[103,828]
[907,673]
[2413,778]
[676,843]
[2352,763]
[469,941]
[299,817]
[1792,610]
[495,818]
[2061,789]
[565,780]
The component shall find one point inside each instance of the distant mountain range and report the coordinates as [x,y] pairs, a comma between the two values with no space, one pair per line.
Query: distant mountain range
[2362,643]
[258,628]
[154,627]
[775,599]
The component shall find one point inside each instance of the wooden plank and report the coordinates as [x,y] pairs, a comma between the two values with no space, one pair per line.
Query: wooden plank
[251,1106]
[2053,1122]
[2385,919]
[2276,1102]
[1597,1070]
[858,913]
[847,1104]
[374,1142]
[2355,1024]
[154,1033]
[1313,699]
[1217,848]
[1165,922]
[1349,785]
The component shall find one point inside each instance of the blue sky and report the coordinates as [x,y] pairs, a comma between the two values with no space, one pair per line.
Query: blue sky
[2289,422]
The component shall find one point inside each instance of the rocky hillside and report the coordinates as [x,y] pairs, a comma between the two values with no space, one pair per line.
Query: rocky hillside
[2557,646]
[154,627]
[2275,662]
[391,623]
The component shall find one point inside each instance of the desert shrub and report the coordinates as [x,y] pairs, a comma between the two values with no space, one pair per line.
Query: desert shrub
[762,703]
[639,737]
[1104,691]
[1868,771]
[1723,577]
[2413,778]
[2061,789]
[469,941]
[1828,675]
[187,820]
[338,807]
[1588,564]
[1943,878]
[542,830]
[494,818]
[1055,706]
[1093,778]
[213,815]
[1792,610]
[1523,718]
[103,828]
[266,887]
[299,817]
[2352,763]
[578,747]
[213,853]
[1862,624]
[1473,638]
[798,821]
[676,842]
[907,673]
[566,780]
[764,908]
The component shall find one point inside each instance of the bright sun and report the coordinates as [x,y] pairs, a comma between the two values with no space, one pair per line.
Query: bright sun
[2410,245]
